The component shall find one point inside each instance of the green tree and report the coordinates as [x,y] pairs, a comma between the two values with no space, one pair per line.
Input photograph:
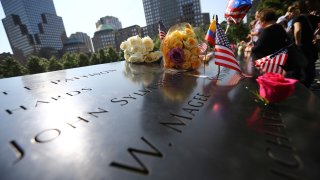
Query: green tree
[112,56]
[9,67]
[237,32]
[121,55]
[37,65]
[54,64]
[83,60]
[70,60]
[95,59]
[280,6]
[157,44]
[103,56]
[201,31]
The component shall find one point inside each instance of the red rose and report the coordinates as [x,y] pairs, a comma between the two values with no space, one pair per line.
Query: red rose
[274,87]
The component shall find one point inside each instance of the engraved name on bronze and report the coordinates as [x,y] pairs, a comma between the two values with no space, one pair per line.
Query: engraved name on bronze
[281,149]
[126,99]
[143,92]
[187,113]
[140,166]
[49,100]
[59,81]
[51,134]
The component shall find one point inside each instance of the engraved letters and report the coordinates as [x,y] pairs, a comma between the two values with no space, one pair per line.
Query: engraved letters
[18,151]
[191,109]
[134,153]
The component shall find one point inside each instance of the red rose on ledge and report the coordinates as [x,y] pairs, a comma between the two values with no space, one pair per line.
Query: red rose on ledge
[274,87]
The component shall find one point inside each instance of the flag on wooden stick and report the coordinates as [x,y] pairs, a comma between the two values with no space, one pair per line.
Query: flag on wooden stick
[224,56]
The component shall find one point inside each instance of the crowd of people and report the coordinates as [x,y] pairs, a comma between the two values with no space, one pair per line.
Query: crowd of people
[297,29]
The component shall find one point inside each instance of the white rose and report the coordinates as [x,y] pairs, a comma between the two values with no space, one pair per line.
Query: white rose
[137,48]
[136,57]
[126,56]
[156,55]
[148,43]
[135,41]
[124,45]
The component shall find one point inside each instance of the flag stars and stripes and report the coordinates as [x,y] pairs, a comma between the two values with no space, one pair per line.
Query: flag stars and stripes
[273,63]
[162,31]
[224,56]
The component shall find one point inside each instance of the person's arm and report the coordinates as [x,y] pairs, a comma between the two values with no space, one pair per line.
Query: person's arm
[260,43]
[297,32]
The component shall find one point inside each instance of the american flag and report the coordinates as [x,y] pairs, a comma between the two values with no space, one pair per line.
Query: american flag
[273,63]
[162,31]
[203,47]
[223,53]
[236,10]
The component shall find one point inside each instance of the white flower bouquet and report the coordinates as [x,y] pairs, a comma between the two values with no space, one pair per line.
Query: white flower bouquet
[137,50]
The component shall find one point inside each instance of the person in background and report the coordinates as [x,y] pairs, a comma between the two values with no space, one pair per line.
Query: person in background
[286,20]
[256,28]
[240,51]
[303,29]
[272,38]
[240,54]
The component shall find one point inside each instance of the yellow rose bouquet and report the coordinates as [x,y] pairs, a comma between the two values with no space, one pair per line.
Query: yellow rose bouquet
[180,48]
[139,50]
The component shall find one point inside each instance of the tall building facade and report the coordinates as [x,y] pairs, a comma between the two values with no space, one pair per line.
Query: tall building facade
[31,25]
[109,20]
[78,42]
[83,37]
[104,37]
[125,33]
[173,11]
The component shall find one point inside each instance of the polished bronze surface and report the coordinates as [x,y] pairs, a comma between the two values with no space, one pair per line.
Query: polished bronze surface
[127,121]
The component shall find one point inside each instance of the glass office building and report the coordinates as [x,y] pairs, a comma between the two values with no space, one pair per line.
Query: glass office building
[31,25]
[173,11]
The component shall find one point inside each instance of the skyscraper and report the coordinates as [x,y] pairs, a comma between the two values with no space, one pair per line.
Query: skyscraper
[109,20]
[105,36]
[31,25]
[83,37]
[173,11]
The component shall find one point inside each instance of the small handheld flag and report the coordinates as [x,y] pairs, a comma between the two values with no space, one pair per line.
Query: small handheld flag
[162,31]
[273,63]
[203,47]
[211,34]
[224,56]
[237,10]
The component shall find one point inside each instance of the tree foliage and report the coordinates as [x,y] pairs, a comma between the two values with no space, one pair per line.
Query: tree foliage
[236,33]
[83,60]
[157,44]
[37,65]
[70,60]
[54,64]
[112,55]
[280,6]
[95,59]
[9,67]
[121,55]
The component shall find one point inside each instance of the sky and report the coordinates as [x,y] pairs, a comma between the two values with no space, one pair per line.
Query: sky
[81,15]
